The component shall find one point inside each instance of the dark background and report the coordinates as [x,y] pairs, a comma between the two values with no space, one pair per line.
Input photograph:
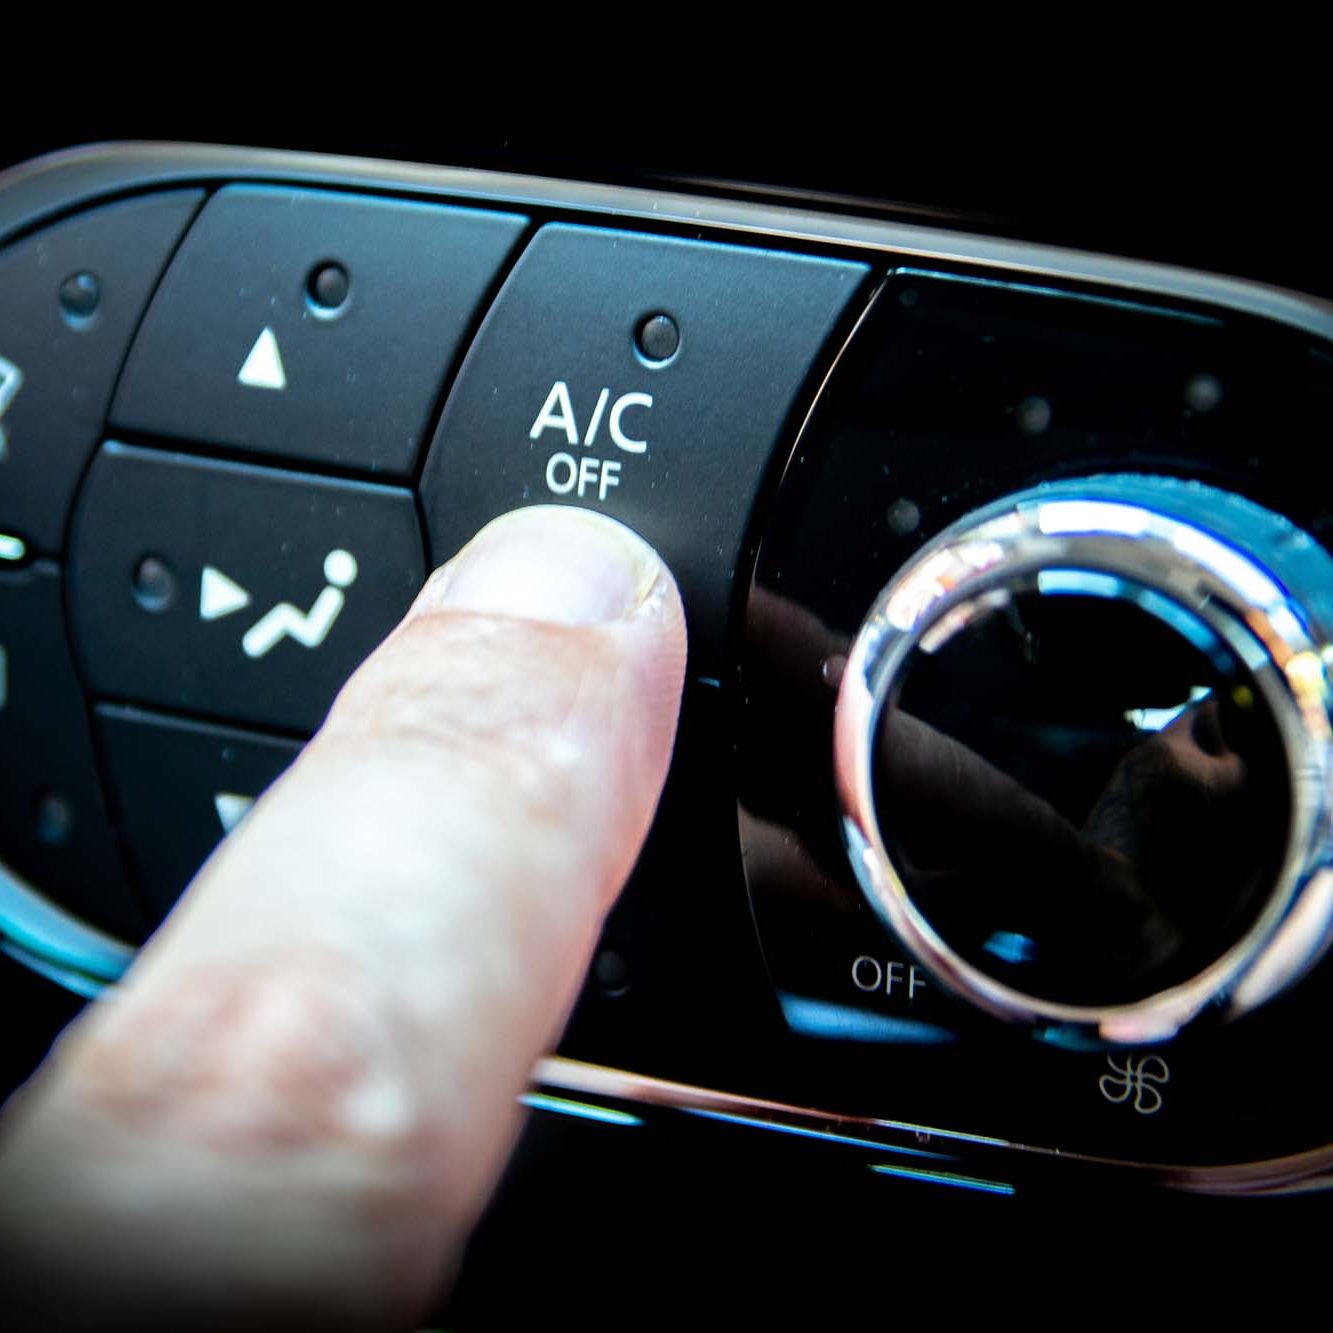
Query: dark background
[1221,179]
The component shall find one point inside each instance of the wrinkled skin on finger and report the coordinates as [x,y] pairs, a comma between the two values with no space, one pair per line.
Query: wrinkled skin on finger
[293,1109]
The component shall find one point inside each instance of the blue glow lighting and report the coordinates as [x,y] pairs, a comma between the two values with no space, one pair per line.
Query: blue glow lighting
[71,979]
[12,548]
[1092,516]
[1187,626]
[822,1135]
[1082,581]
[1069,1039]
[821,1018]
[539,1101]
[1091,583]
[1010,947]
[74,954]
[1230,565]
[944,1178]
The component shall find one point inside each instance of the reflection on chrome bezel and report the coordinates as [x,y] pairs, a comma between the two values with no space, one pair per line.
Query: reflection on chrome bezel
[1060,528]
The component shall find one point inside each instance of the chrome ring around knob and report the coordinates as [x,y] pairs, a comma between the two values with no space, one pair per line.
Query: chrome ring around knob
[1262,586]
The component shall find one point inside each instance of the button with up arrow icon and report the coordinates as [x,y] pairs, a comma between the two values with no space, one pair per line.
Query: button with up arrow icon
[312,326]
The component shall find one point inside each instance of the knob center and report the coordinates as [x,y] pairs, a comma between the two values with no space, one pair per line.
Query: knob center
[1083,788]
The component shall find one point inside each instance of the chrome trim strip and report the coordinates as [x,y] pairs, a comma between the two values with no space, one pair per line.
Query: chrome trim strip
[38,929]
[1297,1172]
[76,982]
[1221,570]
[557,1071]
[35,190]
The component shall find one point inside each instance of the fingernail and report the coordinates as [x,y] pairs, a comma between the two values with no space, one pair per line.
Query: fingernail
[550,562]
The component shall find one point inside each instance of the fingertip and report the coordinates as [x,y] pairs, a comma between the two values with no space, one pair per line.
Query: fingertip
[554,563]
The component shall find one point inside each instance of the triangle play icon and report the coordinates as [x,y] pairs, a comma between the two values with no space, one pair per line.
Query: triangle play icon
[218,595]
[232,808]
[263,367]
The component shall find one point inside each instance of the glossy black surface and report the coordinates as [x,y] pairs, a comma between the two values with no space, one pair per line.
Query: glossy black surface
[67,350]
[1085,804]
[954,393]
[54,825]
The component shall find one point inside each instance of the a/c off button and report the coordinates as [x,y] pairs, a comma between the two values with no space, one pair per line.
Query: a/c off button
[645,376]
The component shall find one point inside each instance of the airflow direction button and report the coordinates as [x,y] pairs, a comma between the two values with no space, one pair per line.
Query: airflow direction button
[179,788]
[286,582]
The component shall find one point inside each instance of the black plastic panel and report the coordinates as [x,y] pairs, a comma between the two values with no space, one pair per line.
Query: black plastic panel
[559,400]
[54,827]
[955,393]
[312,326]
[179,788]
[71,297]
[234,591]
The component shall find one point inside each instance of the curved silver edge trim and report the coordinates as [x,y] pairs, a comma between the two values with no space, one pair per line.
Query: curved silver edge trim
[34,190]
[39,930]
[1130,528]
[1295,1173]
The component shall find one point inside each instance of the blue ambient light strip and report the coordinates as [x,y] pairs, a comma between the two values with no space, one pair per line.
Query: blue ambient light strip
[944,1178]
[540,1101]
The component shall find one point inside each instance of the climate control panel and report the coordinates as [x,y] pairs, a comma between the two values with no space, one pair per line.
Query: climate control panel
[1000,808]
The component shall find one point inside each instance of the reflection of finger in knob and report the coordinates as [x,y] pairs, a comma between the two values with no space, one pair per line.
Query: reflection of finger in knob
[778,862]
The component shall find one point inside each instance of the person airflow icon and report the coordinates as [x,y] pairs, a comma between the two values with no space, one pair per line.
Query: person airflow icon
[308,628]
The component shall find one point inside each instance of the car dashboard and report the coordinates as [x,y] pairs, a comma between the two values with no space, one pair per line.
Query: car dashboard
[989,888]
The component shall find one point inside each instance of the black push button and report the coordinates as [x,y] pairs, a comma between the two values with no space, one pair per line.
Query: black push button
[179,787]
[234,591]
[54,829]
[648,377]
[312,326]
[70,298]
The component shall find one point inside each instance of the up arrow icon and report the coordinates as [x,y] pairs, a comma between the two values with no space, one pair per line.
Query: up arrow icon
[263,367]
